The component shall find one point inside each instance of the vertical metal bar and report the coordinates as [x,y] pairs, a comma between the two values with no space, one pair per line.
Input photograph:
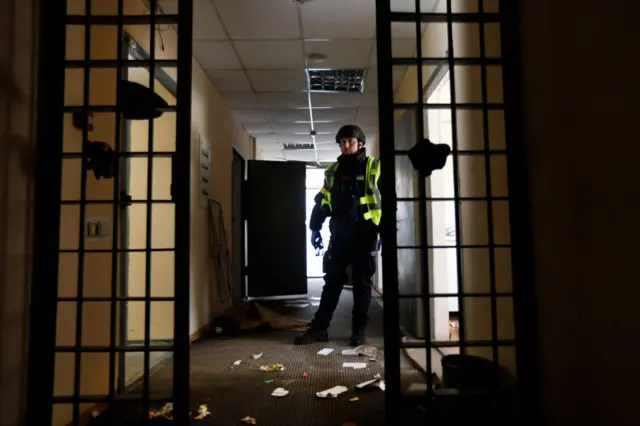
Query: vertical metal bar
[124,237]
[422,212]
[390,295]
[487,175]
[115,257]
[148,263]
[124,234]
[456,175]
[48,182]
[82,226]
[525,298]
[181,364]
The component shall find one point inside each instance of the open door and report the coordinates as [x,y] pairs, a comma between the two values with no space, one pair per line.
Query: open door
[276,229]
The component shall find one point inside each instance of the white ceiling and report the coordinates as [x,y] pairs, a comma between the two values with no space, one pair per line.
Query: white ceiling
[254,53]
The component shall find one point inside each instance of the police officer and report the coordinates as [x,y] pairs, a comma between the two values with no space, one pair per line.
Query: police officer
[350,196]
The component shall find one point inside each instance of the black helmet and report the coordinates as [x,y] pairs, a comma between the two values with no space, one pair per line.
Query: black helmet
[350,131]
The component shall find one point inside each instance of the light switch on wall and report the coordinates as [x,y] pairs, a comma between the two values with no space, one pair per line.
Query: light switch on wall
[96,228]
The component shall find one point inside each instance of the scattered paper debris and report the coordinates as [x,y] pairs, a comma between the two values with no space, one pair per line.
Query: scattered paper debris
[331,393]
[237,363]
[248,420]
[297,305]
[166,411]
[272,367]
[257,356]
[203,412]
[376,378]
[354,399]
[354,365]
[364,350]
[375,382]
[268,381]
[280,392]
[325,351]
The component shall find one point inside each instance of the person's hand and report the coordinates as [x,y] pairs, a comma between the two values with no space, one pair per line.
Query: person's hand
[316,240]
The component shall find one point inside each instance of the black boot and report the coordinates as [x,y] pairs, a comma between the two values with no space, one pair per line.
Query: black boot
[358,337]
[311,336]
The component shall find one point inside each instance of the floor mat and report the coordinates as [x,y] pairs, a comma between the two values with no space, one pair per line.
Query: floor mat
[233,392]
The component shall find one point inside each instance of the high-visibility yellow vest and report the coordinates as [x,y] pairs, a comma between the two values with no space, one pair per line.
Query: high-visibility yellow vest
[371,198]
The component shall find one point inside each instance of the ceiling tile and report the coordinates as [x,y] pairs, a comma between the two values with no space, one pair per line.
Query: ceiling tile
[287,115]
[371,81]
[329,130]
[330,146]
[282,99]
[302,156]
[369,99]
[240,100]
[367,115]
[216,55]
[269,55]
[336,99]
[267,139]
[259,19]
[338,19]
[249,115]
[257,128]
[278,81]
[229,81]
[291,138]
[302,129]
[206,24]
[343,115]
[342,53]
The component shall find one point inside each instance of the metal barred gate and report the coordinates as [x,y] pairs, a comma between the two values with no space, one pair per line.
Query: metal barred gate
[461,88]
[112,210]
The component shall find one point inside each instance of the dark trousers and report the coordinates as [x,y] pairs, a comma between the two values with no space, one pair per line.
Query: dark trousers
[357,249]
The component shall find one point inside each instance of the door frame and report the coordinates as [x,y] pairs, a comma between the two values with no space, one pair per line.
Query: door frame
[239,215]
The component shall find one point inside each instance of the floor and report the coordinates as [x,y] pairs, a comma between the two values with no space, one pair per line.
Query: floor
[234,392]
[134,364]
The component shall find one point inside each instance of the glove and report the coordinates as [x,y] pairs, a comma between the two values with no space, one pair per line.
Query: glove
[316,240]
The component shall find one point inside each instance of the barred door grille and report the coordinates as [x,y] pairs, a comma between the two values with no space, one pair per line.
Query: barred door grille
[447,269]
[112,211]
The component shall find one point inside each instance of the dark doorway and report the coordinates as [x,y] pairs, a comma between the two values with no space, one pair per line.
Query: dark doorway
[276,229]
[237,226]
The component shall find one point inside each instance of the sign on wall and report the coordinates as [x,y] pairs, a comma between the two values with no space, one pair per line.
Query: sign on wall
[205,172]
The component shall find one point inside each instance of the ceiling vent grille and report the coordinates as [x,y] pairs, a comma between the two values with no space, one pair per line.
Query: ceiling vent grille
[336,80]
[296,146]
